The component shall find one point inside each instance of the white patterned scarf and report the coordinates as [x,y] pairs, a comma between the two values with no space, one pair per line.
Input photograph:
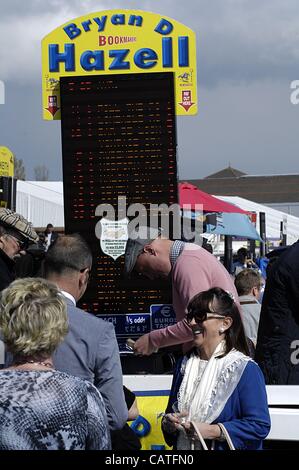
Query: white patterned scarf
[207,385]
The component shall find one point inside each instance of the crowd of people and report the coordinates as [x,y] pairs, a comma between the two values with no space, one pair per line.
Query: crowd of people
[61,380]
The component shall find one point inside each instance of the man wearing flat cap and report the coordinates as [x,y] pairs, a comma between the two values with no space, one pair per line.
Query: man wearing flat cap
[192,270]
[15,234]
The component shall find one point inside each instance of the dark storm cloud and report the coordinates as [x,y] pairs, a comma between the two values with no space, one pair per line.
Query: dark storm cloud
[237,40]
[247,56]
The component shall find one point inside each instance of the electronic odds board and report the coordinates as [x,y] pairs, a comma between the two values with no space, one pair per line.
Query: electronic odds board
[118,143]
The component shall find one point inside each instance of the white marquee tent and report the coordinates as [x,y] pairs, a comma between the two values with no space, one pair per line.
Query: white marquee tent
[41,202]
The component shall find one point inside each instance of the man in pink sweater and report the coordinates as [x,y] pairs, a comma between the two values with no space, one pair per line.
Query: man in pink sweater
[193,270]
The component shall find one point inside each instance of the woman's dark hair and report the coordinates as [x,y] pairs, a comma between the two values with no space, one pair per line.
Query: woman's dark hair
[217,300]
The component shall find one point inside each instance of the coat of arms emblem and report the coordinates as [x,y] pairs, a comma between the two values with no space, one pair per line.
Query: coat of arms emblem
[114,236]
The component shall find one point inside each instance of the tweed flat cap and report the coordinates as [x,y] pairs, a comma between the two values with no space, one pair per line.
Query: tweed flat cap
[17,222]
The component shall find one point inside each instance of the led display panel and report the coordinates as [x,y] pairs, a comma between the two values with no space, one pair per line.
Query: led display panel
[118,141]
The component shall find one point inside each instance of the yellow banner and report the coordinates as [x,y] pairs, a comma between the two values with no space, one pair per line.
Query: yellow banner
[148,424]
[6,162]
[120,42]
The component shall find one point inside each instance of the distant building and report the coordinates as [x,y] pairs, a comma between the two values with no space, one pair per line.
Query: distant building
[278,191]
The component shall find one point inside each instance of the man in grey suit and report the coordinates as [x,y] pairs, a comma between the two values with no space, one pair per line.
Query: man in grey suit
[90,349]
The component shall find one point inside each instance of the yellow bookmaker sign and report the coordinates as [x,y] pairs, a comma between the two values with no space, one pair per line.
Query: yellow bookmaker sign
[120,41]
[6,162]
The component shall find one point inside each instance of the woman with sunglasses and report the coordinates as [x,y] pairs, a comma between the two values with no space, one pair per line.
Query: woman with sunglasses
[217,385]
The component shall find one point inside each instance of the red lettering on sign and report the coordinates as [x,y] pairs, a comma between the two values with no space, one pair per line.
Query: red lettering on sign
[186,102]
[102,40]
[52,105]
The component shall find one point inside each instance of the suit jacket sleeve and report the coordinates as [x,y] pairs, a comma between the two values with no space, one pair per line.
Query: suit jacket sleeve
[108,378]
[254,425]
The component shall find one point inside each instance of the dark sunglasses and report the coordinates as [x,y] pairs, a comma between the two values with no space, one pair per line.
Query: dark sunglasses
[200,317]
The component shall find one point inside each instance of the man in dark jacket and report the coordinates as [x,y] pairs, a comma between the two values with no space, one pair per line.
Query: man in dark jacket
[278,333]
[15,233]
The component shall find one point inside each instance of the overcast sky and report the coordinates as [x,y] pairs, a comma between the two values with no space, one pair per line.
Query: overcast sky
[248,54]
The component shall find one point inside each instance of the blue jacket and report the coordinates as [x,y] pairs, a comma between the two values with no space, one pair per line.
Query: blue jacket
[245,414]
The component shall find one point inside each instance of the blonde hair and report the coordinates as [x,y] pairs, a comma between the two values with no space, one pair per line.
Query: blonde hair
[33,317]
